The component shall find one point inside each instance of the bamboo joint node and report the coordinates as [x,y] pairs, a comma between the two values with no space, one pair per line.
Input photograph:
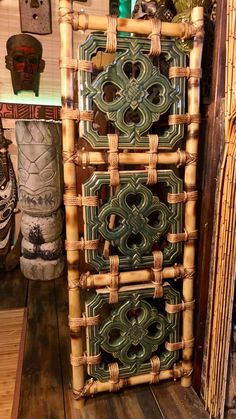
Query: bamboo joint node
[73,18]
[84,391]
[113,159]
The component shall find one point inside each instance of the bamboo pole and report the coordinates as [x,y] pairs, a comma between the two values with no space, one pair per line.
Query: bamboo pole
[85,158]
[137,26]
[72,226]
[131,277]
[190,184]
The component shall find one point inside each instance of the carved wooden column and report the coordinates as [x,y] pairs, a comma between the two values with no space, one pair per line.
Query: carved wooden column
[40,197]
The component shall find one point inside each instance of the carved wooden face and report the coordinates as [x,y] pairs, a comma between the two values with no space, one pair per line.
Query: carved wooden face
[25,63]
[39,169]
[35,16]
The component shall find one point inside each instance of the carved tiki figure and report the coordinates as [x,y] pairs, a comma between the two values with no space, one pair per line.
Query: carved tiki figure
[8,197]
[40,197]
[24,60]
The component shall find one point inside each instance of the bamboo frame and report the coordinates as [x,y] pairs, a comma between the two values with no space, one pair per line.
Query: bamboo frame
[72,225]
[190,184]
[181,30]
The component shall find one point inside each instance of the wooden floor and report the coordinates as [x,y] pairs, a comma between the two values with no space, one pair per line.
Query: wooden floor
[46,380]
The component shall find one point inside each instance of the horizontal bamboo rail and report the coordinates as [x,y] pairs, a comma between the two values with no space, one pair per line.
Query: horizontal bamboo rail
[140,276]
[93,386]
[83,22]
[85,158]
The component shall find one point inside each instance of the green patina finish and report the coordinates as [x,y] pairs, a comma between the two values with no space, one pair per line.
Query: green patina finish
[141,219]
[148,92]
[134,219]
[133,330]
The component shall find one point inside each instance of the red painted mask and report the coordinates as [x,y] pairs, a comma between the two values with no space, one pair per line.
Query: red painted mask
[24,60]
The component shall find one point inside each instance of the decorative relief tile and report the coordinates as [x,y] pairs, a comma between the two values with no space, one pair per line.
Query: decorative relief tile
[141,219]
[132,331]
[133,93]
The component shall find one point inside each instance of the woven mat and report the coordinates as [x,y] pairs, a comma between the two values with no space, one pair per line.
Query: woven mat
[12,337]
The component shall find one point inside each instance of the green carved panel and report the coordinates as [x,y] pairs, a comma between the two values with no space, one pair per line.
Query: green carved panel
[132,331]
[142,219]
[141,93]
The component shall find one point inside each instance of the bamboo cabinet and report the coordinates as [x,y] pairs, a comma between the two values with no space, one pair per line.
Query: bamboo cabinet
[134,323]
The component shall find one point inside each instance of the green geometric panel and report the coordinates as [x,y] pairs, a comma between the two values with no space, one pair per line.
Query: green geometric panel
[141,93]
[142,219]
[132,331]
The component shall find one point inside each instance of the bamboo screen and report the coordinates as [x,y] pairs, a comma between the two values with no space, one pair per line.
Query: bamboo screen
[224,266]
[131,312]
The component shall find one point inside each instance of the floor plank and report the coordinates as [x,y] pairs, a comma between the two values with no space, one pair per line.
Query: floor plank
[12,328]
[13,289]
[41,386]
[178,402]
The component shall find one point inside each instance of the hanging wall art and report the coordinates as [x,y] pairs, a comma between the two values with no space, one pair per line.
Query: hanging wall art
[35,16]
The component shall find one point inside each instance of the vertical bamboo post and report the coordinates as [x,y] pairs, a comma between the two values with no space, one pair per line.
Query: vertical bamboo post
[72,227]
[190,184]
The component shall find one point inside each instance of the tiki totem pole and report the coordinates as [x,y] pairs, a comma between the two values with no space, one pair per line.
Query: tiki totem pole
[40,197]
[8,198]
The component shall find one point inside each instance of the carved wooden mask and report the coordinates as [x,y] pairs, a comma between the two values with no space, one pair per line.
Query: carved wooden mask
[24,60]
[35,16]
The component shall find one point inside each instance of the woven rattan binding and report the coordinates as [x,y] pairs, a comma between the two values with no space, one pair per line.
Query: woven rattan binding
[77,361]
[114,284]
[84,391]
[182,237]
[176,308]
[157,274]
[84,321]
[155,371]
[113,159]
[153,159]
[176,198]
[184,119]
[81,201]
[111,44]
[77,115]
[155,37]
[75,65]
[74,19]
[185,72]
[175,346]
[114,377]
[81,244]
